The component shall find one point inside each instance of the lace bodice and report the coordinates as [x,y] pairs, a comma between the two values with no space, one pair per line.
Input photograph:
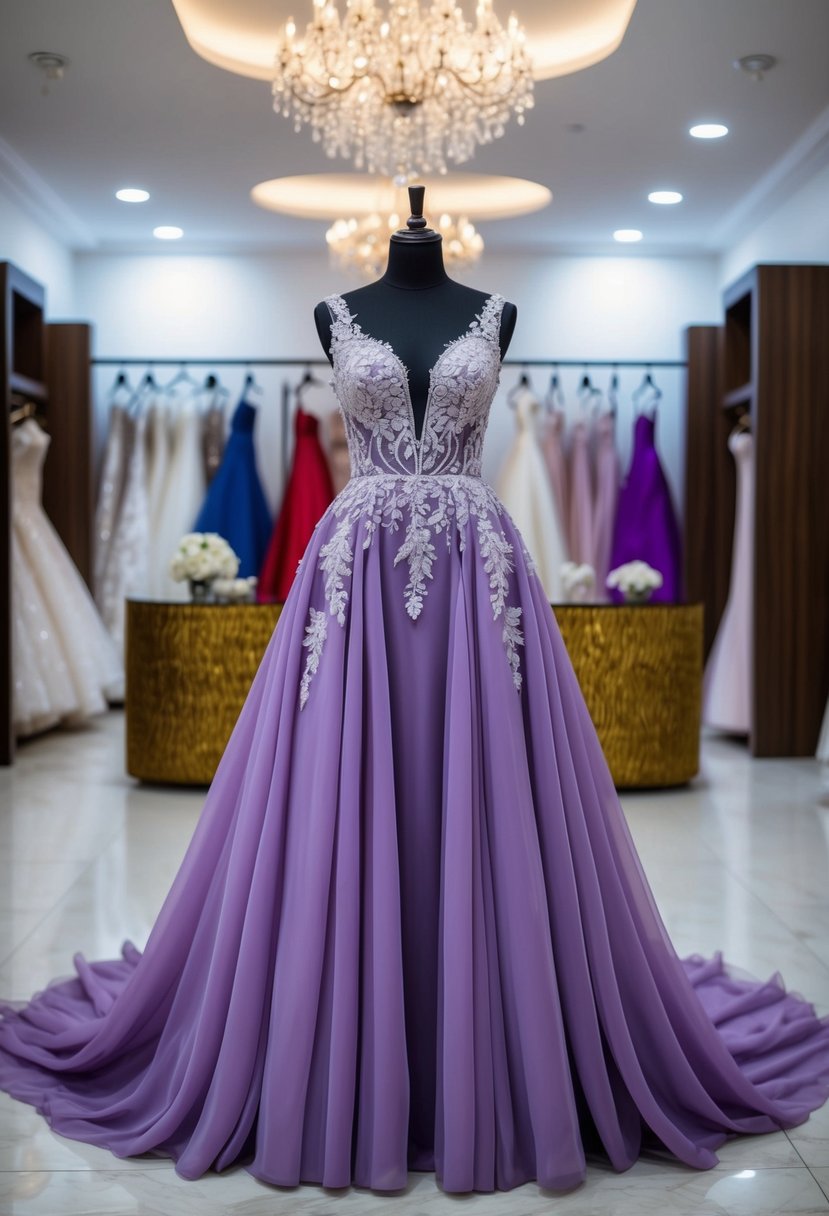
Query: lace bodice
[372,386]
[427,491]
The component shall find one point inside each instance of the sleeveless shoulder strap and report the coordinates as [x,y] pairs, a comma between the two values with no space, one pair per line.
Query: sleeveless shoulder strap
[490,317]
[342,322]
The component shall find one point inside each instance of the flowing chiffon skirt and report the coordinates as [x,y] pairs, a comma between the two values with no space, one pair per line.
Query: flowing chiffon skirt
[412,932]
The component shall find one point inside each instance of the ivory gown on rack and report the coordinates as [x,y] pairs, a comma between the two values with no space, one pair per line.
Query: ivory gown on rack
[411,930]
[64,663]
[726,701]
[524,488]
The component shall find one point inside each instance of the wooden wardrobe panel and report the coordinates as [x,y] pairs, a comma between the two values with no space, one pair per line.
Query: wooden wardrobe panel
[791,428]
[22,305]
[708,519]
[68,473]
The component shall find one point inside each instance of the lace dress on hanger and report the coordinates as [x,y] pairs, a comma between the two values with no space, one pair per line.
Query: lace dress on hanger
[64,664]
[552,443]
[580,483]
[157,431]
[411,930]
[523,486]
[605,505]
[111,487]
[183,492]
[125,570]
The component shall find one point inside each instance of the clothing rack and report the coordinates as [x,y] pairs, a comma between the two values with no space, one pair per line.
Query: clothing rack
[320,362]
[317,361]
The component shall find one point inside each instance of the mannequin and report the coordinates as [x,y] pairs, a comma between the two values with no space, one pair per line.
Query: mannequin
[415,306]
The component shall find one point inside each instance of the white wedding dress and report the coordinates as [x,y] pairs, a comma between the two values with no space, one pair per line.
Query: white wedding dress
[523,485]
[182,494]
[726,703]
[64,664]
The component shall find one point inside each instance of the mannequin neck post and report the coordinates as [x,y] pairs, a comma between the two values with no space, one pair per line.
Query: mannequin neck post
[415,264]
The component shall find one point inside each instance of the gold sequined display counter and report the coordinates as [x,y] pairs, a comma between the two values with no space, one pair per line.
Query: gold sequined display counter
[640,669]
[189,668]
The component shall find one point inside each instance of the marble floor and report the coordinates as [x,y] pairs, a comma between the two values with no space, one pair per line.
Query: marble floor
[738,862]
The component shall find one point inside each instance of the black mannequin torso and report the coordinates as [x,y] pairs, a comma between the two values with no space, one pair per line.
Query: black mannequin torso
[417,309]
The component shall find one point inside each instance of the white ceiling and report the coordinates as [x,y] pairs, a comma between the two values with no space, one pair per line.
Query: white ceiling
[139,106]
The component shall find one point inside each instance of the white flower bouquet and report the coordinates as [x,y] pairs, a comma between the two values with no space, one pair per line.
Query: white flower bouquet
[202,557]
[235,590]
[637,581]
[578,582]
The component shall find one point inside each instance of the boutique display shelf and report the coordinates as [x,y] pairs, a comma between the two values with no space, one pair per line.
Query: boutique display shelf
[22,377]
[190,666]
[768,362]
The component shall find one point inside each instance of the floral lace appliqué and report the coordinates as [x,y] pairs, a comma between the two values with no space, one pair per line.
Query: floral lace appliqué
[429,489]
[315,633]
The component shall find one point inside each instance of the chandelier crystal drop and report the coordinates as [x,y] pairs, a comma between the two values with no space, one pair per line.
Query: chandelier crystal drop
[361,246]
[405,90]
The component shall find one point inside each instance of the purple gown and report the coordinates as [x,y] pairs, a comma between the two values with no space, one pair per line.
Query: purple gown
[646,524]
[411,929]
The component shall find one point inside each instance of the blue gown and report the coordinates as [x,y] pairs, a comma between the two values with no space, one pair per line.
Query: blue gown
[235,505]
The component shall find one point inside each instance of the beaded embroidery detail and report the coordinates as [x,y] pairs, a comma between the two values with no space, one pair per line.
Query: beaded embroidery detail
[428,489]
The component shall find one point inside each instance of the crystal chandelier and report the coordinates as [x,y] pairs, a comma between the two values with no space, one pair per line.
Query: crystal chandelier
[406,90]
[362,245]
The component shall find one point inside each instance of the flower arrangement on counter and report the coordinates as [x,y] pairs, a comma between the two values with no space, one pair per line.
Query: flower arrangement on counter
[637,581]
[578,582]
[200,559]
[235,590]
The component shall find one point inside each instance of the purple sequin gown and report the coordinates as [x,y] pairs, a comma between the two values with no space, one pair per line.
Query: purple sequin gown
[411,929]
[646,524]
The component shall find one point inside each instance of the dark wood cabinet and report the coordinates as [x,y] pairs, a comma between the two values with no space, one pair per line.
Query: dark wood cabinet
[771,357]
[22,378]
[47,366]
[709,479]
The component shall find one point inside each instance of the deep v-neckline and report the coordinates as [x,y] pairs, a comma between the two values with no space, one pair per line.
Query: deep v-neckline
[358,331]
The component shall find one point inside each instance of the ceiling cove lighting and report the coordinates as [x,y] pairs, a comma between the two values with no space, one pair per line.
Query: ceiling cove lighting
[627,236]
[327,196]
[168,232]
[403,88]
[665,198]
[708,130]
[131,194]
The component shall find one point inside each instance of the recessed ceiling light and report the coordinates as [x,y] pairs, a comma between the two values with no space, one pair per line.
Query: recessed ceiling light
[132,195]
[627,236]
[708,130]
[665,197]
[168,232]
[755,65]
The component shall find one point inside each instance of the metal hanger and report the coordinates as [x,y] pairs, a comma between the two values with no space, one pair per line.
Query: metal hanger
[523,382]
[182,376]
[555,398]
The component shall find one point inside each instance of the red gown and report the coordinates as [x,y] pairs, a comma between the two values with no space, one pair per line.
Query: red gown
[307,494]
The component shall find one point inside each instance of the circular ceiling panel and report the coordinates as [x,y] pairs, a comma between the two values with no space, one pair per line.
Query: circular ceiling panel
[562,35]
[326,196]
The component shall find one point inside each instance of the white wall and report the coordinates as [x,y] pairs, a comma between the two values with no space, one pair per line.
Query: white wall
[257,306]
[797,231]
[40,255]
